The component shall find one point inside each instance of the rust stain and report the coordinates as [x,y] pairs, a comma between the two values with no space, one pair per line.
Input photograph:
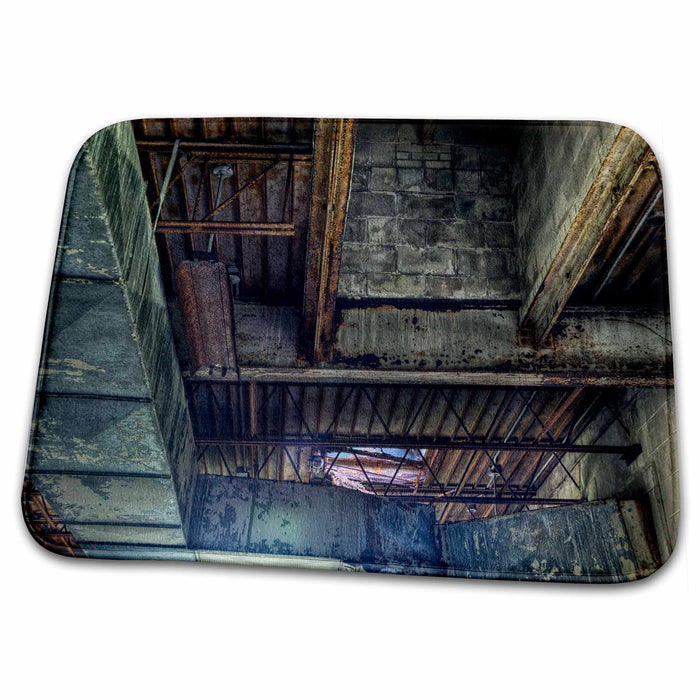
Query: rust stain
[203,289]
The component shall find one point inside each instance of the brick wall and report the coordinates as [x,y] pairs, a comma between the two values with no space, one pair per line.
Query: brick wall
[430,214]
[553,167]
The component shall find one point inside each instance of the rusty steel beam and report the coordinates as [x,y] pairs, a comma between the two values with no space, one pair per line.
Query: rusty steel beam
[334,144]
[346,444]
[486,378]
[227,150]
[218,228]
[596,221]
[476,500]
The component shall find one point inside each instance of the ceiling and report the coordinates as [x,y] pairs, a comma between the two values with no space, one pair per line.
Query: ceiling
[269,430]
[267,184]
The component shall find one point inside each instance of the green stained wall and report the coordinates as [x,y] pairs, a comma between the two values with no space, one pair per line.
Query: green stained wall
[111,445]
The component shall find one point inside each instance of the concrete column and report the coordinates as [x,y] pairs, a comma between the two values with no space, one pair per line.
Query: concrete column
[111,446]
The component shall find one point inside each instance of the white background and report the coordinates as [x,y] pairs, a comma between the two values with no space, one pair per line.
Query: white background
[77,629]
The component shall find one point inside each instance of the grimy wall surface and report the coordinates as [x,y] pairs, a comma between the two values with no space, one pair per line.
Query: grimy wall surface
[429,214]
[554,166]
[581,543]
[588,542]
[111,445]
[646,417]
[294,519]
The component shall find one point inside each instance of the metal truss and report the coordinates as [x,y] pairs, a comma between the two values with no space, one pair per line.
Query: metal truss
[504,492]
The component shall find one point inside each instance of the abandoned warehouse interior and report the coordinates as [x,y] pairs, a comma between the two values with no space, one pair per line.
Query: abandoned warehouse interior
[405,346]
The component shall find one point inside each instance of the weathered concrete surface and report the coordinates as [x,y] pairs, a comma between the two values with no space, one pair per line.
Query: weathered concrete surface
[401,340]
[128,534]
[92,349]
[582,543]
[486,339]
[269,332]
[111,440]
[111,499]
[589,232]
[287,518]
[75,433]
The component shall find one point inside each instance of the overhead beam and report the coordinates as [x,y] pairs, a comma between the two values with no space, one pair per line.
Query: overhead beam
[334,144]
[604,210]
[494,378]
[342,444]
[226,228]
[477,500]
[590,346]
[219,149]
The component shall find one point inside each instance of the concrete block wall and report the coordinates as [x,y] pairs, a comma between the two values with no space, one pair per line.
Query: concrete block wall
[647,417]
[429,216]
[650,416]
[554,165]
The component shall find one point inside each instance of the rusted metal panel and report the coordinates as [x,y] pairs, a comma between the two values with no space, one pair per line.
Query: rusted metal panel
[586,233]
[205,298]
[240,132]
[334,143]
[260,219]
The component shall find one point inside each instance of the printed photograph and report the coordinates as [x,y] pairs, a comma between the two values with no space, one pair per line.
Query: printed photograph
[419,347]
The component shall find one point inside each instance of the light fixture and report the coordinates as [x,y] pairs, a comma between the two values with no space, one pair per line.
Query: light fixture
[316,468]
